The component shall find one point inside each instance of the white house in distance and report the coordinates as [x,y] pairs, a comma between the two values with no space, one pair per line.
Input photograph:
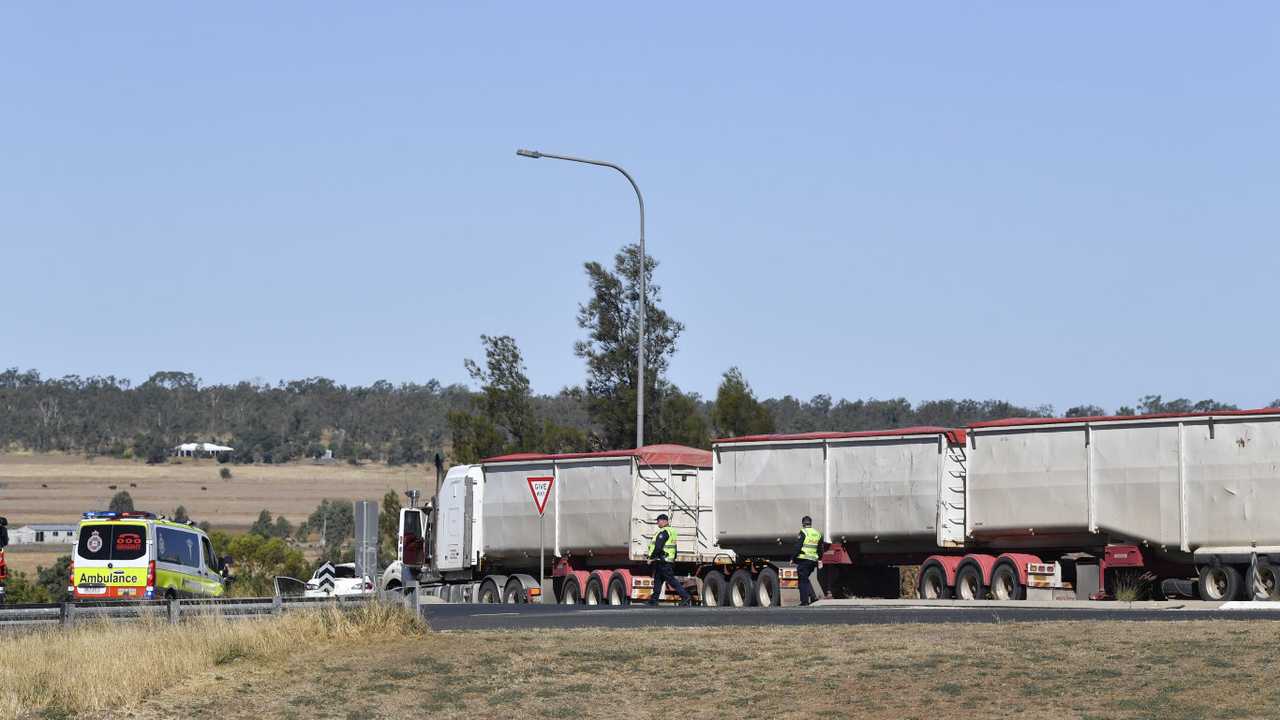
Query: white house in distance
[43,534]
[201,450]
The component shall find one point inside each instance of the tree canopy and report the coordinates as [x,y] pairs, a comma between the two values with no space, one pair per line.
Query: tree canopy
[611,318]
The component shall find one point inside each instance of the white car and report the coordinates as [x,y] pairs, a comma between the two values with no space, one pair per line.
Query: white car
[345,582]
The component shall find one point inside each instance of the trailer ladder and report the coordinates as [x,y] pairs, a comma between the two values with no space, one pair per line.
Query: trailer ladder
[951,496]
[661,496]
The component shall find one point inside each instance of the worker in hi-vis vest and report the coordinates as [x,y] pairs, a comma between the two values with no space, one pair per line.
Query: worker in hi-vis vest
[809,549]
[662,553]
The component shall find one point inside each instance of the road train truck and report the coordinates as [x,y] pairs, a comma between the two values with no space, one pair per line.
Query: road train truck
[482,538]
[1042,508]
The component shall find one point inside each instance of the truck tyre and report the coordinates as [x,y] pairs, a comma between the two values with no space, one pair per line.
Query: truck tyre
[713,589]
[488,592]
[594,594]
[1264,582]
[618,594]
[933,584]
[741,589]
[570,591]
[513,593]
[767,590]
[1005,585]
[969,584]
[1219,584]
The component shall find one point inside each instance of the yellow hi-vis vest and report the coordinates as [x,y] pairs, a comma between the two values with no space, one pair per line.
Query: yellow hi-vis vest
[669,549]
[812,538]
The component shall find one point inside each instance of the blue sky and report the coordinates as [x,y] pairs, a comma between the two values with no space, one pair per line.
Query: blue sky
[1046,204]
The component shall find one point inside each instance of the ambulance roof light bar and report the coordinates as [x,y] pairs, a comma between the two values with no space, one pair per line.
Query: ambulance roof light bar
[113,515]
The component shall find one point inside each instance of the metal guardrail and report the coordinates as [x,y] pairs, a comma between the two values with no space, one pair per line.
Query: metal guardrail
[173,611]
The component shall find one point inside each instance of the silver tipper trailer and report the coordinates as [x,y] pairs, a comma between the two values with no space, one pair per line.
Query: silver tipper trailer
[603,506]
[1175,482]
[878,491]
[482,539]
[881,498]
[1191,488]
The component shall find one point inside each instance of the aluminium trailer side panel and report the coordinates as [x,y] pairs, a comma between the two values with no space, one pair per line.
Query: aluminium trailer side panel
[594,510]
[1174,482]
[1026,482]
[1233,482]
[511,524]
[762,491]
[1135,482]
[859,488]
[884,489]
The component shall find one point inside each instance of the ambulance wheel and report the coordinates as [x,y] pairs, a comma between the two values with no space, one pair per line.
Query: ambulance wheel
[969,584]
[1005,585]
[933,584]
[713,589]
[488,593]
[1219,584]
[741,589]
[618,594]
[594,594]
[767,588]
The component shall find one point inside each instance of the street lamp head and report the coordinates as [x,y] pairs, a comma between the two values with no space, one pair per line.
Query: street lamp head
[529,153]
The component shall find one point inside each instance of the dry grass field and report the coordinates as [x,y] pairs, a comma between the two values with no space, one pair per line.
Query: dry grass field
[57,488]
[378,666]
[28,558]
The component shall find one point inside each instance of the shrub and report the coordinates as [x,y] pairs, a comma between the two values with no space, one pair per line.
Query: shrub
[224,473]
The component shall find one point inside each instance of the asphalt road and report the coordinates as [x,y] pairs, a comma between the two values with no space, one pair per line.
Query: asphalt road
[527,617]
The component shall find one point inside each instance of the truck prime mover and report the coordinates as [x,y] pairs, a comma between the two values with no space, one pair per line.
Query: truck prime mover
[1041,508]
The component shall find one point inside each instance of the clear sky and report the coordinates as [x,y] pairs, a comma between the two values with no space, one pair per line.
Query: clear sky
[1045,204]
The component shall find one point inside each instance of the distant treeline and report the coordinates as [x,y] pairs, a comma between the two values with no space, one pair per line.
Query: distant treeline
[405,423]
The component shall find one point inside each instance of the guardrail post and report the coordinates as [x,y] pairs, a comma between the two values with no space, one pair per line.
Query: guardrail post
[277,605]
[67,614]
[411,598]
[175,611]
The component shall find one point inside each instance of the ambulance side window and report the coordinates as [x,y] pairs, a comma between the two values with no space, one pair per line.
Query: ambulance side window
[177,547]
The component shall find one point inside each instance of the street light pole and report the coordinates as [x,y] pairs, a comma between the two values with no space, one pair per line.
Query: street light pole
[534,154]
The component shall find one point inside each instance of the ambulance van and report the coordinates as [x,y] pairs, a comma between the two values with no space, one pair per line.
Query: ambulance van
[139,556]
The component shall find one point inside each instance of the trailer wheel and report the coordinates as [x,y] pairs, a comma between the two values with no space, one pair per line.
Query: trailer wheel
[1219,584]
[570,591]
[969,584]
[618,594]
[488,593]
[514,593]
[767,588]
[933,584]
[713,589]
[1263,582]
[1005,585]
[741,589]
[594,594]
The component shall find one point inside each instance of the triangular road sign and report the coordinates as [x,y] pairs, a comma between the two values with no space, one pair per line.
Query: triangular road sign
[541,489]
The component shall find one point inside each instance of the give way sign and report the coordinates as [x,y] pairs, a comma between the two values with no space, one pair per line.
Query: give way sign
[541,489]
